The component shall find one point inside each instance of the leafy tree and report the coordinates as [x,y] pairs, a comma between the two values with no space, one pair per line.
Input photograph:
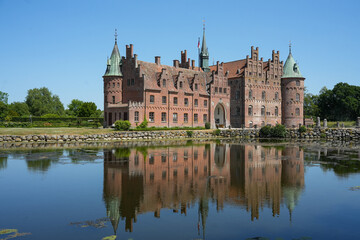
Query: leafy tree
[87,109]
[41,101]
[19,109]
[311,108]
[4,97]
[74,107]
[342,103]
[3,110]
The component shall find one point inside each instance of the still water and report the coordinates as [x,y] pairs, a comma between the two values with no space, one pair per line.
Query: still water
[181,190]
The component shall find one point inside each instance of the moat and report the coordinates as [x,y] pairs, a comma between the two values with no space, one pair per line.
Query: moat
[181,190]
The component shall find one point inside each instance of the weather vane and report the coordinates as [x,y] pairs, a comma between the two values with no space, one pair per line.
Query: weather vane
[290,46]
[204,24]
[116,35]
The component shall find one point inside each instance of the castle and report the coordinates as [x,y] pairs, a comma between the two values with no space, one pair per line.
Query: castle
[244,93]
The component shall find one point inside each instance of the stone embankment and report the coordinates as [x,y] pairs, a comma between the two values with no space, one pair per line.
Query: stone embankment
[316,133]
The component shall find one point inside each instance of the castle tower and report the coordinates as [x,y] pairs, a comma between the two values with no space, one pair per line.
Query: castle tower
[204,54]
[113,80]
[292,91]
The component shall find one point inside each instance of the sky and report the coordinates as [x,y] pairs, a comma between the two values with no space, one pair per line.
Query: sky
[63,45]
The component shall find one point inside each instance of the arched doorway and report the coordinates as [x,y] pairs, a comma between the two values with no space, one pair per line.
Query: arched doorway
[219,115]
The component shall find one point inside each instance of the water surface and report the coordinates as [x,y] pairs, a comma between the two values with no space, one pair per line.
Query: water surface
[182,190]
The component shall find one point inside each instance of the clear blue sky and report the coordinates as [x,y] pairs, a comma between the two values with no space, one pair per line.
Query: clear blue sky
[63,45]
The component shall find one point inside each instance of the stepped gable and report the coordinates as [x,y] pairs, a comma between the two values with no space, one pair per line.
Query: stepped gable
[154,72]
[235,69]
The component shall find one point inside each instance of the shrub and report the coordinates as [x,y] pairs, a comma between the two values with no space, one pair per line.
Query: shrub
[189,133]
[265,131]
[50,115]
[279,131]
[302,129]
[144,124]
[207,125]
[122,125]
[217,132]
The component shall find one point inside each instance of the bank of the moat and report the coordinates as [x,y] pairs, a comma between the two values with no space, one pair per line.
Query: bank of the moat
[316,133]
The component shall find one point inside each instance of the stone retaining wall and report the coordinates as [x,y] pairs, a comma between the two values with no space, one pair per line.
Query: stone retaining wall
[316,133]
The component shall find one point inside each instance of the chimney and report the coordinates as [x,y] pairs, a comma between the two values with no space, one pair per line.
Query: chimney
[193,64]
[131,50]
[176,63]
[217,66]
[157,60]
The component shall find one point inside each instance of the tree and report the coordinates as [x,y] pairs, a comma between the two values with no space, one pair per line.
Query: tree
[41,101]
[19,109]
[87,109]
[74,107]
[3,110]
[311,108]
[4,97]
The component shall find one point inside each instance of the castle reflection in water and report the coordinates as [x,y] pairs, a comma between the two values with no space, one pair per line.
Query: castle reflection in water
[253,176]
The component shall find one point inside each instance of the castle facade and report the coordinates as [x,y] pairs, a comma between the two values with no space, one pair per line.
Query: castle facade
[242,93]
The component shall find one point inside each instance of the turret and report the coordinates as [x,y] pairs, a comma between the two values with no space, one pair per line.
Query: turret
[292,91]
[113,80]
[204,54]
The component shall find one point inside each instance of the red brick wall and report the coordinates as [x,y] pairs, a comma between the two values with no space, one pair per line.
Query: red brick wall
[290,103]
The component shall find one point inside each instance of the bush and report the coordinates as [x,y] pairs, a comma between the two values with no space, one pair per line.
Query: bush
[217,132]
[144,124]
[189,133]
[302,129]
[265,131]
[207,125]
[122,125]
[279,131]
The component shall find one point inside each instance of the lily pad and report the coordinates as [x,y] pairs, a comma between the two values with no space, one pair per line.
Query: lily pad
[112,237]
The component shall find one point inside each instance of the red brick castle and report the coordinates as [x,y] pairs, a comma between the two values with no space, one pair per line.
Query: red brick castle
[242,93]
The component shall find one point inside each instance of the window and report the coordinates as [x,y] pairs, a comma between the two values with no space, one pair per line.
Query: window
[195,154]
[163,100]
[205,103]
[263,95]
[297,83]
[250,110]
[276,111]
[175,117]
[224,90]
[196,86]
[297,97]
[113,85]
[297,111]
[186,117]
[136,116]
[151,116]
[181,84]
[164,83]
[136,160]
[118,84]
[276,96]
[250,94]
[175,101]
[132,82]
[151,159]
[163,117]
[237,111]
[175,156]
[113,99]
[196,103]
[186,155]
[205,118]
[120,116]
[186,102]
[250,124]
[163,176]
[216,89]
[152,98]
[196,117]
[237,95]
[163,157]
[262,110]
[128,82]
[220,90]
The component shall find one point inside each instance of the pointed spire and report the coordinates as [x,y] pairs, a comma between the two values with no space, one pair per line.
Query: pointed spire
[114,63]
[290,47]
[291,68]
[204,54]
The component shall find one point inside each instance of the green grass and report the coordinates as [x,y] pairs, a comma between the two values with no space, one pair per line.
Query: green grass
[54,131]
[347,124]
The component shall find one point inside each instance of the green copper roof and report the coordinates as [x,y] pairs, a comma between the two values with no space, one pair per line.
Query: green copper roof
[113,64]
[204,49]
[291,69]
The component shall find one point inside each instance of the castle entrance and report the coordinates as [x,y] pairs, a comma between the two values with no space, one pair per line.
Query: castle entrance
[219,115]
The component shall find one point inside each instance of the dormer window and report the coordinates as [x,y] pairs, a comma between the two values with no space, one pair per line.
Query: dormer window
[196,86]
[181,85]
[164,83]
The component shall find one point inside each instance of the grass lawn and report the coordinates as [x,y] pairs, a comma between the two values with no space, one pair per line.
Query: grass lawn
[53,131]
